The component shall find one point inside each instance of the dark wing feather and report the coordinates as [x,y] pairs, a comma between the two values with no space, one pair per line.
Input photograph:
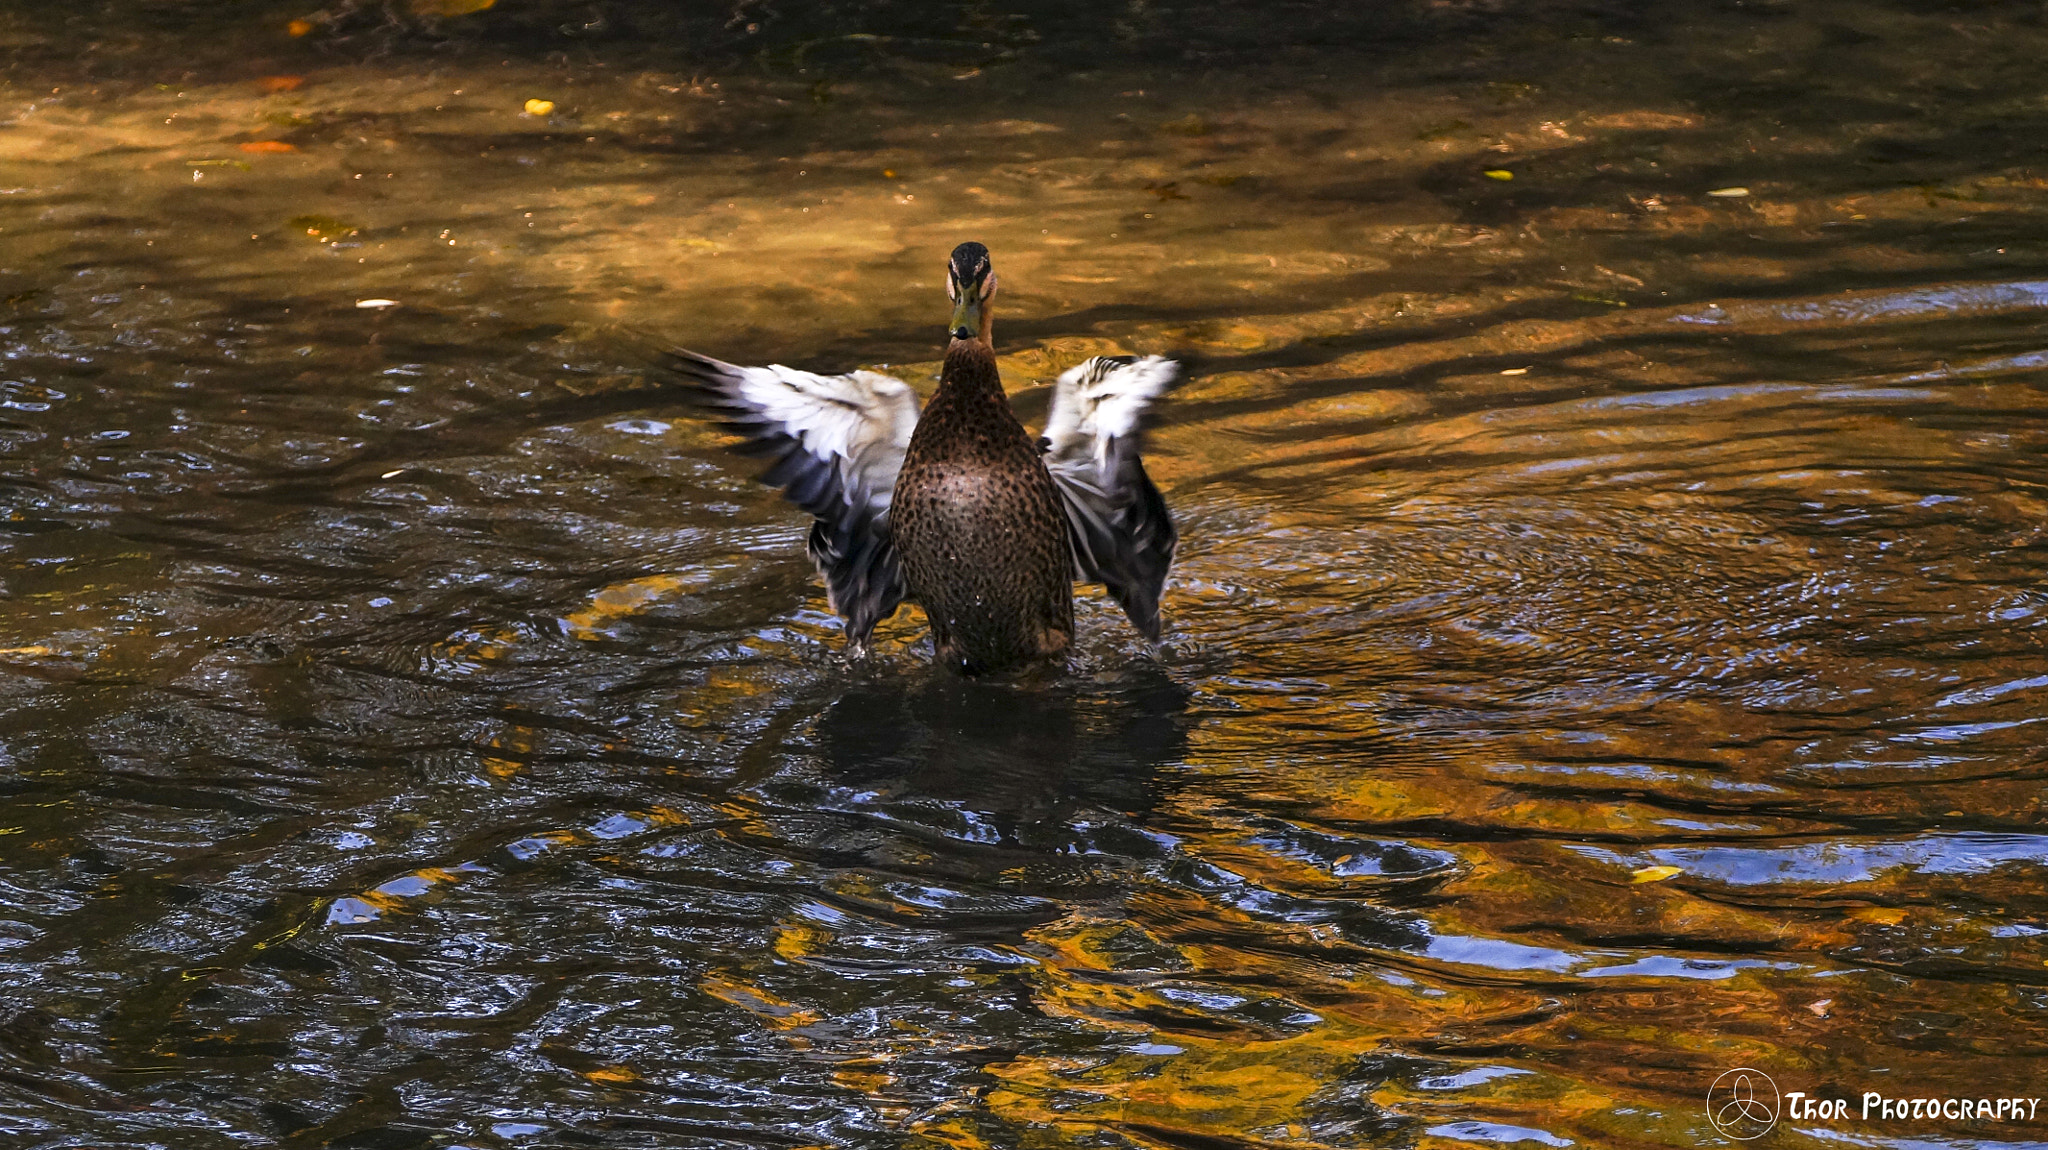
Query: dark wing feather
[1122,534]
[835,444]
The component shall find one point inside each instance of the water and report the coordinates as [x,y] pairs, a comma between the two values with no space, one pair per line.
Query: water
[416,730]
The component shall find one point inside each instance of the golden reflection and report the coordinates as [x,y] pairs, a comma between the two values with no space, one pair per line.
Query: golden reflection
[1612,612]
[622,600]
[513,747]
[773,1010]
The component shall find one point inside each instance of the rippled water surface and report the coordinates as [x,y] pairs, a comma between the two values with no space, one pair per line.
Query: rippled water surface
[1607,646]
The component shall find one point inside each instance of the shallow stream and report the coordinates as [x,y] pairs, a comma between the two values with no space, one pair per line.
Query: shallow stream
[1608,646]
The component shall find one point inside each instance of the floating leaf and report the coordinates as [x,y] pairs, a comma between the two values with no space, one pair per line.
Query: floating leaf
[326,229]
[378,303]
[1729,193]
[267,146]
[281,83]
[1654,873]
[612,1074]
[539,107]
[299,27]
[1881,915]
[1514,371]
[449,7]
[1499,174]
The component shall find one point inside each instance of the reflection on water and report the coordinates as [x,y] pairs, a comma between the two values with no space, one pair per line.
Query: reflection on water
[1608,646]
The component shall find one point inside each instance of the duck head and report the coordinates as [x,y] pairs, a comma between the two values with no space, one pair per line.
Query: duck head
[970,282]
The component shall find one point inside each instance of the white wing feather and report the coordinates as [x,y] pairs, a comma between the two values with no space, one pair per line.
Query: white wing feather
[1101,400]
[1122,534]
[837,442]
[859,423]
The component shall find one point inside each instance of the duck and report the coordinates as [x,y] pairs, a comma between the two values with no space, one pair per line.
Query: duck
[955,506]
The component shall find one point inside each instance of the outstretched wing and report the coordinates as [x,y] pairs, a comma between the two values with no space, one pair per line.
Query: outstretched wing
[836,443]
[1122,534]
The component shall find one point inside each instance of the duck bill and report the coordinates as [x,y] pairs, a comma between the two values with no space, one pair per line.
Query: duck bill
[966,316]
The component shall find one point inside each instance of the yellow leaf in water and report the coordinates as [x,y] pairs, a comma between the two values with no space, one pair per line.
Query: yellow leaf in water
[299,27]
[326,229]
[1499,174]
[1881,915]
[612,1074]
[1654,873]
[1729,193]
[450,7]
[539,107]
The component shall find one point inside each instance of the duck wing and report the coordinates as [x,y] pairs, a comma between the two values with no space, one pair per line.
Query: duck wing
[1122,534]
[835,443]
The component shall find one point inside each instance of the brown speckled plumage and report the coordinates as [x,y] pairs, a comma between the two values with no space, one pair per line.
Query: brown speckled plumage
[978,527]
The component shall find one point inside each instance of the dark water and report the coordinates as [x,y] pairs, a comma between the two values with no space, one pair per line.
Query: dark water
[1609,645]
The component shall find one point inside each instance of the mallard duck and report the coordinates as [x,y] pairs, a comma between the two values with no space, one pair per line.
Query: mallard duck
[959,509]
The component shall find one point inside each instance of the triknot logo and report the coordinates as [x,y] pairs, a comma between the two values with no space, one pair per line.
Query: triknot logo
[1743,1103]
